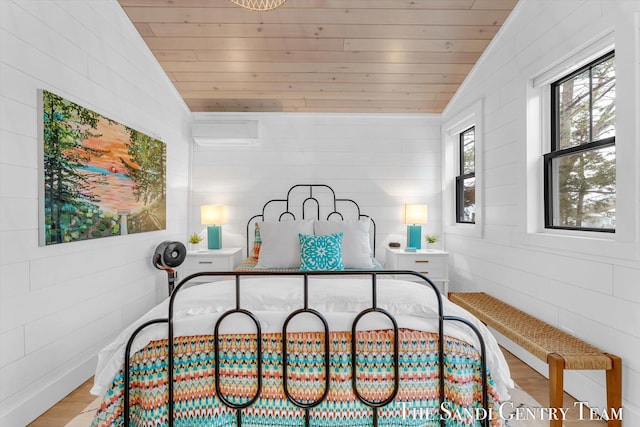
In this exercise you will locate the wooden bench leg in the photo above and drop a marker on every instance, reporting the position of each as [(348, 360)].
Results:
[(614, 391), (556, 386)]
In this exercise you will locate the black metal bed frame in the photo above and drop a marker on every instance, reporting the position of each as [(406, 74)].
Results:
[(374, 405), (310, 198), (309, 193)]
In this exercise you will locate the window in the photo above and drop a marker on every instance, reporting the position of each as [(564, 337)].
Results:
[(463, 203), (466, 180), (580, 169), (540, 202)]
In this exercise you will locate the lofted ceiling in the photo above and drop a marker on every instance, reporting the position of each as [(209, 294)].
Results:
[(352, 56)]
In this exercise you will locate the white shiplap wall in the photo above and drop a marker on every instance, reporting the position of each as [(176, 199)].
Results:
[(380, 161), (593, 293), (60, 304)]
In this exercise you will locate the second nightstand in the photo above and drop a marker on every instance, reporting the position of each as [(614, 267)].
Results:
[(225, 259), (430, 262)]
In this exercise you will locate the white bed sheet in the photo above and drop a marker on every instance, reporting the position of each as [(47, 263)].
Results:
[(273, 298)]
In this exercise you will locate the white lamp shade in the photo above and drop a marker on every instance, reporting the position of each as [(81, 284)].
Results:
[(213, 214), (415, 214)]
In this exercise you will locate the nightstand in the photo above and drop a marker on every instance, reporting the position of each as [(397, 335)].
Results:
[(430, 262), (225, 259)]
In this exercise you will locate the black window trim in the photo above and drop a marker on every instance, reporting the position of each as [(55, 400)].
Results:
[(582, 148), (462, 177)]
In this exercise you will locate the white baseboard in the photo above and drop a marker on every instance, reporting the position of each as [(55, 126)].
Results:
[(38, 401)]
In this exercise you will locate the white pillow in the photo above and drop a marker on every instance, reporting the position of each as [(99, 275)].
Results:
[(280, 246), (356, 240)]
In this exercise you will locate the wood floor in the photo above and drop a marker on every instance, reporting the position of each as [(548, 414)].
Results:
[(530, 380), (538, 387), (65, 410)]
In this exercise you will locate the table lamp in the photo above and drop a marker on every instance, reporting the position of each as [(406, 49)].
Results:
[(414, 216), (213, 216)]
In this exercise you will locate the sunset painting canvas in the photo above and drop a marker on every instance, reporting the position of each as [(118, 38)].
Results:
[(99, 178)]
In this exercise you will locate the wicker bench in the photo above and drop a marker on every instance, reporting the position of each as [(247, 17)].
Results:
[(559, 349)]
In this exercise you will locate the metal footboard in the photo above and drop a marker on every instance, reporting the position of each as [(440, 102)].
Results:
[(374, 308)]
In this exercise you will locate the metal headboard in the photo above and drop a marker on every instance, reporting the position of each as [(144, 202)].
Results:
[(296, 205)]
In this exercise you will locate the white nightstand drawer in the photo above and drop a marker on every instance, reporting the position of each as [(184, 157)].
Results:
[(226, 259), (196, 264), (422, 263), (430, 262)]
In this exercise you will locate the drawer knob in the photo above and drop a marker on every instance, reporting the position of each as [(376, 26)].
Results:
[(205, 262), (422, 260)]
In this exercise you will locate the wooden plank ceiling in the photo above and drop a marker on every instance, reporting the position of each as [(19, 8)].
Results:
[(386, 56)]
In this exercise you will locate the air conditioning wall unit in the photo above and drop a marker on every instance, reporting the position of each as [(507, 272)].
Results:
[(225, 132)]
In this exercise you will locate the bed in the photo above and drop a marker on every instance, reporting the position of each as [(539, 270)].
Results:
[(300, 346)]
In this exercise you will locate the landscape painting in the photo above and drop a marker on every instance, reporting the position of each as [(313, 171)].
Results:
[(99, 178)]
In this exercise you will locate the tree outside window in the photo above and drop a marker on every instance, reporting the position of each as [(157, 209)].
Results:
[(580, 170)]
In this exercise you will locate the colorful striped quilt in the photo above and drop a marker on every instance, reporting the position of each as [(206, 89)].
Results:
[(196, 404)]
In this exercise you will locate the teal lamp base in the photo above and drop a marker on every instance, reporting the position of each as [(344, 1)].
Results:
[(414, 236), (214, 236)]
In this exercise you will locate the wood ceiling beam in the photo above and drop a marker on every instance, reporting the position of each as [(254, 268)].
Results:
[(318, 78), (284, 15), (276, 67)]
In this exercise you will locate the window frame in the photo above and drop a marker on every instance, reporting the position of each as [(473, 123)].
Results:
[(471, 116), (530, 233), (462, 176), (556, 152)]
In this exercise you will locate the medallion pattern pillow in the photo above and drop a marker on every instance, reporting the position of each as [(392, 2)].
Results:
[(322, 253)]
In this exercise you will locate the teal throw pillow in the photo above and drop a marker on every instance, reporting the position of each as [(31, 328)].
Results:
[(321, 252)]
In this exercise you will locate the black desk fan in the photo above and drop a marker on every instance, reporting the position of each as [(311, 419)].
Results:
[(167, 257)]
